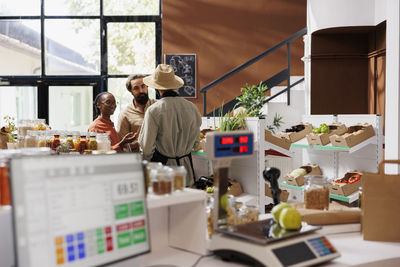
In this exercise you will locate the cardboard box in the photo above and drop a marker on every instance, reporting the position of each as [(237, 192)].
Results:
[(236, 188), (296, 136), (353, 136), (311, 169), (284, 193), (322, 139), (278, 141), (345, 189)]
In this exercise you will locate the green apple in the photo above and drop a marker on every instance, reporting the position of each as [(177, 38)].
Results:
[(290, 219), (316, 131), (325, 129), (224, 201), (276, 211)]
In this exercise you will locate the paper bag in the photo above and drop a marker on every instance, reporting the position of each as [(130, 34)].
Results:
[(380, 205)]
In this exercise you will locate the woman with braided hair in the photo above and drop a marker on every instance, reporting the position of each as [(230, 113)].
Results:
[(105, 105)]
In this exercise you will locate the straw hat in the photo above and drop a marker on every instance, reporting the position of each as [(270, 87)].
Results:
[(163, 78)]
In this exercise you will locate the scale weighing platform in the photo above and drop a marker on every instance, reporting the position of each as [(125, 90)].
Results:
[(260, 243)]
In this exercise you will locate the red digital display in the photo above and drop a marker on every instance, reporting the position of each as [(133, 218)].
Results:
[(243, 149), (243, 139), (226, 140)]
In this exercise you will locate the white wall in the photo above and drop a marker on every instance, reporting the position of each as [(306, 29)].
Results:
[(341, 13)]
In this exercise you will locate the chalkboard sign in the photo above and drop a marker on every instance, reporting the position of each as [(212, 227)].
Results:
[(185, 67)]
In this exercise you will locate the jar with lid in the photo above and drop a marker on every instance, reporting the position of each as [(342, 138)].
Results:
[(151, 169), (82, 146), (24, 126), (41, 138), (70, 141), (92, 143), (56, 142), (103, 141), (179, 177), (49, 138), (5, 199), (210, 216), (163, 183), (316, 192), (30, 139), (247, 213)]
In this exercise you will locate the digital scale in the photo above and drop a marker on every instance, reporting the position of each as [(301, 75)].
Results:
[(257, 243)]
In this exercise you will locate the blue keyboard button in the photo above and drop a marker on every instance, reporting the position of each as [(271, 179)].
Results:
[(80, 236), (70, 238)]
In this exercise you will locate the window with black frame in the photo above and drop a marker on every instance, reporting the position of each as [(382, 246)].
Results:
[(56, 55)]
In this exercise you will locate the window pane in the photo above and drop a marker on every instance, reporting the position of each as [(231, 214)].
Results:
[(116, 86), (72, 7), (70, 107), (72, 46), (20, 47), (131, 48), (129, 7), (19, 102), (20, 7)]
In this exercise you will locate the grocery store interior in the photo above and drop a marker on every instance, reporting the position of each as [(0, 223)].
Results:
[(294, 106)]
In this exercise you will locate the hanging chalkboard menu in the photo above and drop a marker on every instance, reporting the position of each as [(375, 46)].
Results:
[(185, 67)]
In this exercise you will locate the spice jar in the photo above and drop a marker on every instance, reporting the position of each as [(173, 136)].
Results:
[(151, 169), (82, 146), (5, 199), (92, 144), (70, 141), (41, 139), (179, 177), (316, 192), (164, 181), (103, 141), (56, 142), (30, 139)]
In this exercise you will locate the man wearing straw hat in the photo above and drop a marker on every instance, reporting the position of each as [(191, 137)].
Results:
[(171, 126)]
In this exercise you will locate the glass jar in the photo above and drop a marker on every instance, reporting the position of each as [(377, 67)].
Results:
[(210, 216), (92, 144), (82, 146), (24, 126), (316, 192), (70, 141), (103, 141), (41, 138), (5, 199), (56, 142), (30, 139), (163, 182), (179, 177), (151, 169), (247, 213)]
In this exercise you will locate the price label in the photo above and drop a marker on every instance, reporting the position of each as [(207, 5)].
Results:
[(127, 189)]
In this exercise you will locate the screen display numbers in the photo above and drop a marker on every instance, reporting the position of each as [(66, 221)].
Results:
[(126, 189)]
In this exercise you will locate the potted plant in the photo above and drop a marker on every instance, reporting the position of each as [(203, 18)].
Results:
[(9, 130), (252, 99)]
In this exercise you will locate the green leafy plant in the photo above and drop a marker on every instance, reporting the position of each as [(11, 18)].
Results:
[(252, 99), (10, 128), (233, 122), (276, 124)]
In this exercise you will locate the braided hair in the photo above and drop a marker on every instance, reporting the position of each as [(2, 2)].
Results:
[(96, 101)]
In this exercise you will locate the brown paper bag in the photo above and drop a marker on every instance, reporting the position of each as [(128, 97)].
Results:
[(381, 205)]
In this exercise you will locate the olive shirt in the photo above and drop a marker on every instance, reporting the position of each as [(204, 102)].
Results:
[(131, 119), (172, 126)]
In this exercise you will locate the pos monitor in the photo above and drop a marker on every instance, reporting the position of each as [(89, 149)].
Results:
[(78, 210)]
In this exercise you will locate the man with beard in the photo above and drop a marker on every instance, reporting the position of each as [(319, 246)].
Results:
[(131, 118)]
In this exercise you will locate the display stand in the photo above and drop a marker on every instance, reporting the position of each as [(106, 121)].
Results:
[(178, 221), (335, 161)]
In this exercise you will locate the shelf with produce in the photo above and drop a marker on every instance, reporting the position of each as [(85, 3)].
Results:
[(329, 147), (349, 199)]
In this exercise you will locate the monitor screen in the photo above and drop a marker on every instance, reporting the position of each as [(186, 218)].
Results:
[(78, 210)]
